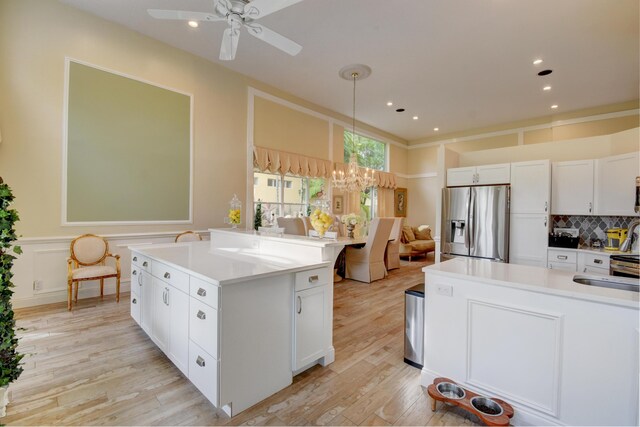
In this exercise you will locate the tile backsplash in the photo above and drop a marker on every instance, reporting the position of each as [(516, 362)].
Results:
[(591, 227)]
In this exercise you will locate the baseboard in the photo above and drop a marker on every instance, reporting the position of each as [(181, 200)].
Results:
[(61, 296), (522, 416)]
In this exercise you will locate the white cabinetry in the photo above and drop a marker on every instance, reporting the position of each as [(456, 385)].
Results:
[(161, 314), (615, 184), (529, 220), (562, 259), (593, 263), (572, 188), (479, 175)]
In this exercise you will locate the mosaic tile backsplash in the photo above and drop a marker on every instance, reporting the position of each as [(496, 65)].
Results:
[(592, 227)]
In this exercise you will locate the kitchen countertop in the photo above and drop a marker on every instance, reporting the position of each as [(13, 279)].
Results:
[(600, 251), (535, 279), (223, 266), (301, 240)]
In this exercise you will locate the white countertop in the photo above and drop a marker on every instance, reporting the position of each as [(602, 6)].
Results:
[(534, 279), (600, 251), (223, 266), (300, 240)]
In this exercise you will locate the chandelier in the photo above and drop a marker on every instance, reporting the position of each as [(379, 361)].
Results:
[(355, 180)]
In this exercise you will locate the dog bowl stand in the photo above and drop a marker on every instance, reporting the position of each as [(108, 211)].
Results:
[(465, 403)]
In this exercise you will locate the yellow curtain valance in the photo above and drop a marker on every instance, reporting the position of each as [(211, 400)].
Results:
[(275, 161), (382, 179)]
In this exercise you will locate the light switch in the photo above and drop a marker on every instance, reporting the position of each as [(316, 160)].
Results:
[(446, 290)]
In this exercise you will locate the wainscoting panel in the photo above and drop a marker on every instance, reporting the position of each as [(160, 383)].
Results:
[(495, 340)]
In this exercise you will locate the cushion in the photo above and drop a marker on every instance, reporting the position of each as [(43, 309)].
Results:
[(423, 233), (94, 271), (420, 246), (407, 234)]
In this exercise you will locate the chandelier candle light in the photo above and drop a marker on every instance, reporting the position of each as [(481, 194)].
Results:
[(354, 181)]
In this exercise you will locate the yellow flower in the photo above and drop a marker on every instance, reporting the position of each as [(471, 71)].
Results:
[(234, 216)]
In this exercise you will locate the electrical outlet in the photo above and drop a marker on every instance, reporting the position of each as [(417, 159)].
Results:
[(446, 290), (37, 285)]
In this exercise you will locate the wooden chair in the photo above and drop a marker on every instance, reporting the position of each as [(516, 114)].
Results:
[(367, 264), (188, 236), (87, 262)]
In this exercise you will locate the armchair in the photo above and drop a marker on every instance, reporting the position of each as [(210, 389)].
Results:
[(87, 262)]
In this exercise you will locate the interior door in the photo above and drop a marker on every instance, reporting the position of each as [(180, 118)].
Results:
[(489, 220)]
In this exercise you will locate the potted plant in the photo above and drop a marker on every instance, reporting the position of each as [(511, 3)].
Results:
[(351, 220), (10, 368)]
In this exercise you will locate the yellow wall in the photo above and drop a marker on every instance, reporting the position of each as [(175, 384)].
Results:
[(422, 160), (35, 37)]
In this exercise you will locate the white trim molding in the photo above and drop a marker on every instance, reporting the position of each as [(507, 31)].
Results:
[(418, 175)]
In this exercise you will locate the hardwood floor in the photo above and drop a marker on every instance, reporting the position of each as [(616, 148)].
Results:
[(95, 366)]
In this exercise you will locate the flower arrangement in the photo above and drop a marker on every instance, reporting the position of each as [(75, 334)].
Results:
[(321, 221), (234, 216), (351, 220), (234, 211)]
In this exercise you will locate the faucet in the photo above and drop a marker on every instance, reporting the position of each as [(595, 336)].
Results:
[(626, 245)]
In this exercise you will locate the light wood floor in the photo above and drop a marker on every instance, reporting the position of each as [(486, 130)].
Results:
[(95, 366)]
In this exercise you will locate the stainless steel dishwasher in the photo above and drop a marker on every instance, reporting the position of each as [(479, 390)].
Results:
[(414, 326)]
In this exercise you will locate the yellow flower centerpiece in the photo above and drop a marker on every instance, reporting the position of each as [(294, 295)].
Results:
[(321, 221), (235, 210)]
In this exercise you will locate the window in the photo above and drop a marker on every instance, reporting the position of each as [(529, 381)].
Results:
[(285, 195), (371, 154), (255, 180)]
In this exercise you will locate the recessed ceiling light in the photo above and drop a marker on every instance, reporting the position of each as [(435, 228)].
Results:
[(193, 24), (399, 110), (537, 61), (554, 106), (546, 88), (389, 104), (545, 72), (436, 129), (415, 117)]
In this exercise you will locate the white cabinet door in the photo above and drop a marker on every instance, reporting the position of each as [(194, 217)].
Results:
[(615, 184), (309, 324), (135, 307), (531, 187), (493, 174), (461, 176), (161, 314), (178, 348), (572, 188), (146, 294), (562, 266), (528, 239)]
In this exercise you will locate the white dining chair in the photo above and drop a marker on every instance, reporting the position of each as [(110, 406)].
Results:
[(392, 255), (292, 226), (366, 264)]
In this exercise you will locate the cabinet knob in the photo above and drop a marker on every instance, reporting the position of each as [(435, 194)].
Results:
[(313, 279), (597, 261), (299, 305), (200, 361), (144, 264), (135, 258), (546, 206), (545, 221), (134, 301), (590, 207), (201, 315), (134, 272), (167, 275), (202, 292)]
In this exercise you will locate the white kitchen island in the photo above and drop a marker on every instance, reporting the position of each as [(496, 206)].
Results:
[(239, 315), (560, 352)]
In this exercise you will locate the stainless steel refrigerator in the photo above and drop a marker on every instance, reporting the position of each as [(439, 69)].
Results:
[(475, 222)]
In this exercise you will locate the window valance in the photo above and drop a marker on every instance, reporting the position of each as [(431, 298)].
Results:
[(382, 179), (275, 161)]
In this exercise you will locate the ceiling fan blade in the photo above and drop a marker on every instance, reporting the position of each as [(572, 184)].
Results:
[(229, 44), (274, 39), (259, 8), (183, 15)]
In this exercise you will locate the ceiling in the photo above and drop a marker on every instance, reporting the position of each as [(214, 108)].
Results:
[(456, 64)]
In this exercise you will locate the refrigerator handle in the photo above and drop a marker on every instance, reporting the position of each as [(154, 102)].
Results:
[(472, 218)]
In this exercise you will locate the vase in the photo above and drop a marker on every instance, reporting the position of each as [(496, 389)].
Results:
[(350, 228)]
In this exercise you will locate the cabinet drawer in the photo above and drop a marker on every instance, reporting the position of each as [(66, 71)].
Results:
[(141, 261), (203, 372), (562, 266), (595, 270), (310, 278), (204, 291), (203, 326), (556, 255), (135, 307), (175, 278), (597, 261)]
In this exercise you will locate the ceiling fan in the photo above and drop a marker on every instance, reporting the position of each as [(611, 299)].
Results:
[(238, 14)]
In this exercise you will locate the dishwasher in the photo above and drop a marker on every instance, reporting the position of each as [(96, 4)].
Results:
[(414, 326)]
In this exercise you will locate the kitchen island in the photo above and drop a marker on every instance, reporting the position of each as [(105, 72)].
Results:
[(239, 315), (558, 351)]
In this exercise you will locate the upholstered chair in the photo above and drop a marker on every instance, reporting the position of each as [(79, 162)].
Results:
[(292, 225), (188, 236), (392, 256), (366, 264), (87, 262)]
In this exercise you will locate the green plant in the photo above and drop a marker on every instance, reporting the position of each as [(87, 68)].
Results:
[(10, 368), (257, 220)]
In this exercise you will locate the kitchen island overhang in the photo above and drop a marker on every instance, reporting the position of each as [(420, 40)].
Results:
[(239, 315), (533, 337)]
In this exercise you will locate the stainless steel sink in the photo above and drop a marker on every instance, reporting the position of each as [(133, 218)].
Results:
[(623, 283)]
